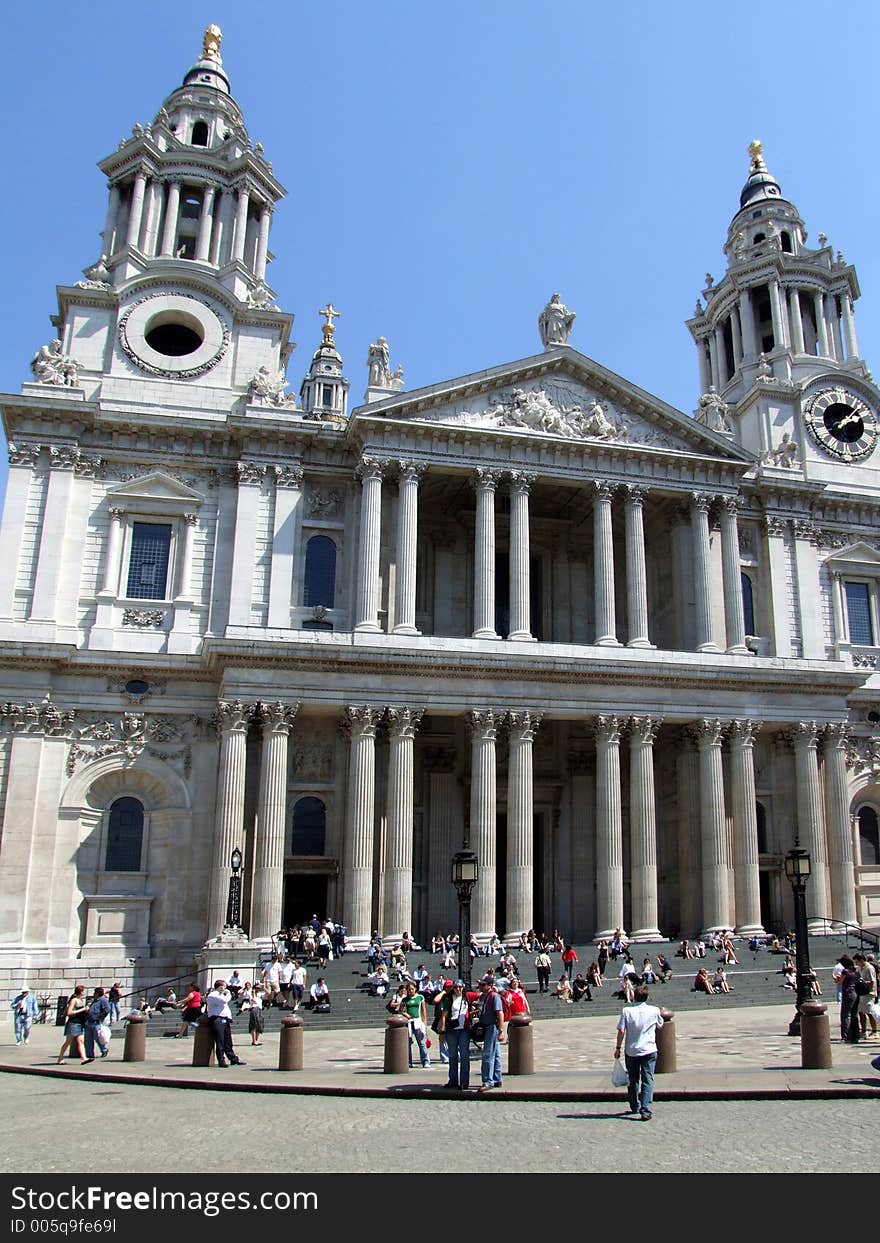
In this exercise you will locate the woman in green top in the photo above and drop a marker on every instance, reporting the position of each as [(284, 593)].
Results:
[(414, 1005)]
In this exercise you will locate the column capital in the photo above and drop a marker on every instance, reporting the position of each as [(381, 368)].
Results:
[(644, 729), (701, 501), (403, 722), (806, 530), (410, 472), (742, 733), (485, 479), (233, 716), (288, 476), (189, 519), (23, 454), (249, 473), (602, 489), (371, 468), (606, 729), (729, 504), (276, 718), (634, 493), (116, 515), (709, 732), (64, 457), (520, 480), (483, 724), (805, 734), (524, 724), (774, 525), (835, 736), (360, 721)]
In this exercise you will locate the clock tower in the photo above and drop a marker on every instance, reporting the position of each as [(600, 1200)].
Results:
[(780, 369)]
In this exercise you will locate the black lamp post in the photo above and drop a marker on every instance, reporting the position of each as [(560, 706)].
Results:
[(465, 870), (797, 869), (233, 903)]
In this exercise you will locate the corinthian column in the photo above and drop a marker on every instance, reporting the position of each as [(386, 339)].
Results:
[(520, 595), (636, 573), (520, 823), (483, 816), (643, 829), (810, 829), (840, 850), (747, 915), (367, 607), (732, 575), (609, 829), (232, 719), (714, 850), (397, 916), (603, 566), (407, 543), (360, 724), (700, 503), (485, 482), (268, 880)]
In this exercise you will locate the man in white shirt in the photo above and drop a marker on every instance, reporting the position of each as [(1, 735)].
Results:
[(638, 1024), (298, 978), (272, 981), (286, 975), (319, 994), (218, 1011)]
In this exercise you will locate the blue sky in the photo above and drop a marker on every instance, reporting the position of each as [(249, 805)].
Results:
[(449, 166)]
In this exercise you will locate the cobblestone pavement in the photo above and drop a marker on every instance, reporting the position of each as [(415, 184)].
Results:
[(134, 1128)]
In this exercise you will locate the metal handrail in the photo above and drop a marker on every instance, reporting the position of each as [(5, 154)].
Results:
[(850, 931)]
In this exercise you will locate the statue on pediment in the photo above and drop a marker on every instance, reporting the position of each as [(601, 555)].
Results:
[(379, 363), (712, 412), (51, 366), (555, 323)]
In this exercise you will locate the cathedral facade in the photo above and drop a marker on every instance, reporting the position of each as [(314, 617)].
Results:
[(627, 655)]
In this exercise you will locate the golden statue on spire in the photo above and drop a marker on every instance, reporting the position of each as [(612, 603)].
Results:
[(756, 149), (329, 313), (211, 44)]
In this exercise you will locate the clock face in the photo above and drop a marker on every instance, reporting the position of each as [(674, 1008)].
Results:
[(842, 424)]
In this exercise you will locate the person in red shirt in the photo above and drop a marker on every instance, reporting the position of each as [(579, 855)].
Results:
[(569, 958)]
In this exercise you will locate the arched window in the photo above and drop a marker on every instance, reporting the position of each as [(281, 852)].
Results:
[(309, 825), (761, 819), (748, 603), (785, 238), (320, 576), (200, 134), (869, 840), (125, 836)]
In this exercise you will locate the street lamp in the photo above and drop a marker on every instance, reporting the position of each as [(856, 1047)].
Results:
[(465, 871), (233, 903), (797, 869)]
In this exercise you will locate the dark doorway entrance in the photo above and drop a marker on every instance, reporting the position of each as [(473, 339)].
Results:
[(502, 597), (766, 904), (304, 896)]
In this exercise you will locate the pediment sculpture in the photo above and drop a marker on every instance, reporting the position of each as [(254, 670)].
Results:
[(535, 411)]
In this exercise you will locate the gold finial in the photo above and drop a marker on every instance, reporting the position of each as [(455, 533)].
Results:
[(330, 313), (211, 44), (756, 149)]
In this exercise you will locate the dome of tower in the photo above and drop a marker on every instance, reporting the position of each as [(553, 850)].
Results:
[(208, 69), (761, 183)]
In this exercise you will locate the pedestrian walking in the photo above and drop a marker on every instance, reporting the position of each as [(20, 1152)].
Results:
[(414, 1007), (24, 1010), (542, 966), (866, 991), (455, 1019), (638, 1026), (569, 959), (849, 1001), (98, 1014), (492, 1020), (114, 996), (218, 1011), (74, 1028)]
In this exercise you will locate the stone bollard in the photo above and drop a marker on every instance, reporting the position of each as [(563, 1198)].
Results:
[(135, 1047), (203, 1044), (290, 1047), (815, 1037), (667, 1062), (521, 1045), (396, 1045)]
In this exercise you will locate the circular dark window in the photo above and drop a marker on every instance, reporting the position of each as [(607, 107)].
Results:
[(173, 339), (874, 717), (137, 687)]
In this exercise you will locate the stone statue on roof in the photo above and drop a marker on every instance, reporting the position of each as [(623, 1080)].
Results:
[(555, 322)]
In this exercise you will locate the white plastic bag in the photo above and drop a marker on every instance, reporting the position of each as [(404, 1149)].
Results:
[(619, 1077), (874, 1010)]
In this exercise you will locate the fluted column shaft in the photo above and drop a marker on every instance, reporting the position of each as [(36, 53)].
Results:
[(359, 824), (407, 545), (746, 874), (520, 594), (700, 503), (108, 246), (397, 914), (229, 814), (643, 829), (114, 548), (713, 836), (206, 220), (263, 243), (688, 797), (849, 327), (241, 217), (809, 818), (603, 566), (797, 323), (172, 207), (268, 882), (821, 323), (136, 212), (747, 323), (520, 824), (734, 620), (483, 821), (485, 482), (837, 820), (609, 829), (367, 610), (636, 571)]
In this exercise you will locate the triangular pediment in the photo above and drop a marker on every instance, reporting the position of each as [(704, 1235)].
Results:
[(560, 394), (858, 557), (155, 488)]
